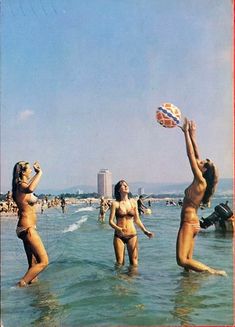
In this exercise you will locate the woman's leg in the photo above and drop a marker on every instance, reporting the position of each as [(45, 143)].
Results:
[(119, 248), (184, 251), (30, 257), (191, 249), (34, 248), (132, 247)]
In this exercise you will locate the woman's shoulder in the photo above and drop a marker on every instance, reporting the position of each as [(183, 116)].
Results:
[(133, 201), (115, 204)]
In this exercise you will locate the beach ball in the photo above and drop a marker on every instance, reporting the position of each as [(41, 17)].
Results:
[(168, 115)]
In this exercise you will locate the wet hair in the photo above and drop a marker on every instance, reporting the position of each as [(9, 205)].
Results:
[(117, 190), (211, 177), (18, 170)]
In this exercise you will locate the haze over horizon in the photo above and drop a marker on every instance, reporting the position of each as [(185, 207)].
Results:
[(81, 82)]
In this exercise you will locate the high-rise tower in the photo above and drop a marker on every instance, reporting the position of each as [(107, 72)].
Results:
[(104, 183)]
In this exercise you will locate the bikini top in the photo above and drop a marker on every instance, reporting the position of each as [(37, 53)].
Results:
[(125, 214), (32, 200)]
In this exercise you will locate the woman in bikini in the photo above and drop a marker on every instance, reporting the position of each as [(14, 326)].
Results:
[(126, 212), (199, 192), (22, 190)]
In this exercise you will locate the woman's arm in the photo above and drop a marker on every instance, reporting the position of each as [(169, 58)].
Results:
[(192, 132), (190, 151), (111, 218), (31, 186), (139, 223)]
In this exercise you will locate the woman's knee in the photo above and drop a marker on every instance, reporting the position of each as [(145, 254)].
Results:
[(181, 261), (133, 259), (134, 262), (44, 262)]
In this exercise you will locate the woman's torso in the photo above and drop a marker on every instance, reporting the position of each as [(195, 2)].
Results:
[(26, 208), (125, 216), (191, 202)]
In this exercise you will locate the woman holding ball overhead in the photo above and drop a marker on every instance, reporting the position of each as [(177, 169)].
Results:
[(23, 186), (198, 192)]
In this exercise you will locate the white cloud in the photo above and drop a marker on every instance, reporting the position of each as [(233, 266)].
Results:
[(26, 114)]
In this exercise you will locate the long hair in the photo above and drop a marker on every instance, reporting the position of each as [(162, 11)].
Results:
[(211, 177), (18, 170), (117, 190)]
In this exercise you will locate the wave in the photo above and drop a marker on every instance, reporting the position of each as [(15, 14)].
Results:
[(85, 209), (76, 225)]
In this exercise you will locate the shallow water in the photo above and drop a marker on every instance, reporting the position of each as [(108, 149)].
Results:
[(82, 287)]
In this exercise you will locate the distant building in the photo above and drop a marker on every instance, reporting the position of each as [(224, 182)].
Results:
[(140, 190), (104, 183)]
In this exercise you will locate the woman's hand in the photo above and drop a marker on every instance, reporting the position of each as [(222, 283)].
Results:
[(192, 128), (149, 234), (185, 126), (123, 231), (36, 167)]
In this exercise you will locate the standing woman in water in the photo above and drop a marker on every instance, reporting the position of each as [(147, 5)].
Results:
[(23, 187), (197, 193), (126, 212)]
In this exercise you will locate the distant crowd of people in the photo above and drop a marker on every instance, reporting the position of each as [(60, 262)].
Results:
[(9, 206)]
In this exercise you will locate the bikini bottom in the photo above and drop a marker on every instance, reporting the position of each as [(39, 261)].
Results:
[(125, 239), (22, 232)]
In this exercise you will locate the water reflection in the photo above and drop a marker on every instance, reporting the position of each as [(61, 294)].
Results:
[(126, 272), (46, 304), (187, 299)]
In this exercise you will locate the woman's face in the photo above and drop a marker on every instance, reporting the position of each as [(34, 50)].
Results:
[(27, 172), (202, 164), (124, 188)]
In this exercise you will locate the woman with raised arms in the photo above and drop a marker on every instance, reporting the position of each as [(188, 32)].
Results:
[(198, 192), (23, 187)]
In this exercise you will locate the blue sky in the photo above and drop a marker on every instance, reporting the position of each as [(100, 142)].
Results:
[(81, 81)]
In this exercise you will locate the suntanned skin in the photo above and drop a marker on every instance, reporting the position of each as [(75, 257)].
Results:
[(34, 248), (191, 203), (125, 226)]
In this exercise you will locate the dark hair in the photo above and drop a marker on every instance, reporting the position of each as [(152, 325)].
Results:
[(18, 170), (117, 190), (211, 177)]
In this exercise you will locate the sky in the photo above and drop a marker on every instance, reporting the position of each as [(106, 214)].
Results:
[(81, 82)]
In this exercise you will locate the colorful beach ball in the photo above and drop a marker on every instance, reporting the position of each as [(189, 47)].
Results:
[(168, 115)]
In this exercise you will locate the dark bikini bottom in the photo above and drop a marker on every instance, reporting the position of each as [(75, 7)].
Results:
[(125, 239), (22, 232)]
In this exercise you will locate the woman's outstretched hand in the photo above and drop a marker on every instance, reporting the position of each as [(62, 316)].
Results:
[(185, 126), (192, 128)]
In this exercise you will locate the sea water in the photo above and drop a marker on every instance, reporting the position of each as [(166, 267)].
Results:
[(82, 287)]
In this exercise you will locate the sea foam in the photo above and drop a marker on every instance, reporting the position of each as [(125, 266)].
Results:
[(85, 209), (76, 225)]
